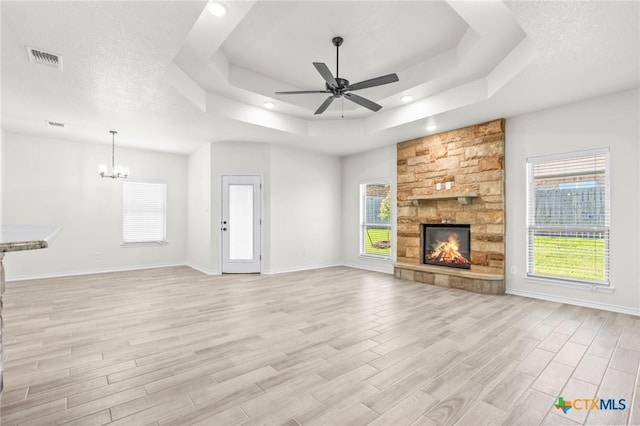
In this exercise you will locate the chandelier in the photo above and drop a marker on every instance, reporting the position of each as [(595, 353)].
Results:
[(116, 170)]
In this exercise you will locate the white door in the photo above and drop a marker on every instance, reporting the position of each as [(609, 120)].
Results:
[(241, 222)]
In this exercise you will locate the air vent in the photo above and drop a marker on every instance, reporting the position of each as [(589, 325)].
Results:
[(55, 124), (41, 57)]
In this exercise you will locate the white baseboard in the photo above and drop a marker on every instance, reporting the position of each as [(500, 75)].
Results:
[(298, 269), (203, 270), (570, 301), (384, 268), (89, 271), (191, 265)]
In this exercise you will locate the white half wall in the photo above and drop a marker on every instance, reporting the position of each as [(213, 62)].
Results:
[(305, 210), (609, 121), (55, 182), (378, 164)]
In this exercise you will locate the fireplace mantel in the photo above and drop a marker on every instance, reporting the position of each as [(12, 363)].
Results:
[(463, 198)]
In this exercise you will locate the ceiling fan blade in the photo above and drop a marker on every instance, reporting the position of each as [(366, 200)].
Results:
[(298, 92), (378, 81), (324, 105), (362, 101), (326, 74)]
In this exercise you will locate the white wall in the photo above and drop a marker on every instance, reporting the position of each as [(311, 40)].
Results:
[(239, 158), (379, 164), (199, 210), (55, 182), (609, 121), (301, 189), (305, 204)]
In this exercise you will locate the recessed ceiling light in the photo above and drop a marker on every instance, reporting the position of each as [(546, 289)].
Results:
[(406, 98), (269, 105), (431, 127), (217, 9)]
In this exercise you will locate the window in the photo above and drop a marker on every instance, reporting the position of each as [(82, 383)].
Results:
[(375, 219), (568, 217), (144, 212)]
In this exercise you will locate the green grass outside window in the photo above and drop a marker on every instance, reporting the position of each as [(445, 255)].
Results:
[(575, 258)]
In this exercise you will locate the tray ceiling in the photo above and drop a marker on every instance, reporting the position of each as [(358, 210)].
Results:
[(169, 76)]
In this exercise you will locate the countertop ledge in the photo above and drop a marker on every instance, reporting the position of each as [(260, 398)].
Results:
[(23, 245), (20, 238)]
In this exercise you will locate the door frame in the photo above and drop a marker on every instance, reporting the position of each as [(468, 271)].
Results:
[(261, 230)]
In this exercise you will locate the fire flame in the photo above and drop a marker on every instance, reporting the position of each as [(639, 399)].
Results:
[(447, 252)]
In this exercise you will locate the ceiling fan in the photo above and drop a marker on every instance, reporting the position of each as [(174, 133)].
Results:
[(339, 87)]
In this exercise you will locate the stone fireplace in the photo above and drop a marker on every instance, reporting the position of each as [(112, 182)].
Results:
[(451, 198)]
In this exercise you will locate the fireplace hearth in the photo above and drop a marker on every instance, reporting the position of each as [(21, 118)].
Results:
[(447, 245)]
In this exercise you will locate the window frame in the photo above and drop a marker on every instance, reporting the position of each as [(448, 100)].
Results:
[(363, 222), (604, 229), (126, 241)]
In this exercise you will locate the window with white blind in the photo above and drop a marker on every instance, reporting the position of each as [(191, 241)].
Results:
[(375, 219), (144, 215), (568, 217)]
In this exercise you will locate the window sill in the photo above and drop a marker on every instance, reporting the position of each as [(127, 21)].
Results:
[(376, 258), (596, 288), (145, 244)]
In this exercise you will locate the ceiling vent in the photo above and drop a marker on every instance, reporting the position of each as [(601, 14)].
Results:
[(55, 124), (41, 57)]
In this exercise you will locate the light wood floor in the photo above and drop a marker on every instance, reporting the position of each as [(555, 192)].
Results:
[(334, 346)]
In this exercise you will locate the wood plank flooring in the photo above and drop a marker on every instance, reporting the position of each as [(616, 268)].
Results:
[(335, 346)]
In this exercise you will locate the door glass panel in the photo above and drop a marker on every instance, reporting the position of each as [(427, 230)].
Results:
[(240, 222)]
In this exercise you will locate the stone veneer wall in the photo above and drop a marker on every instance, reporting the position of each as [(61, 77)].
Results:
[(472, 159)]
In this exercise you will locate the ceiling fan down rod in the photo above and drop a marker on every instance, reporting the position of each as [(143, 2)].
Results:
[(337, 42)]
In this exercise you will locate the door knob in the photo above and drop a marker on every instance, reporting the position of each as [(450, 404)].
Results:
[(224, 229)]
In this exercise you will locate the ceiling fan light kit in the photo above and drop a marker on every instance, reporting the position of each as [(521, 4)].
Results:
[(340, 87)]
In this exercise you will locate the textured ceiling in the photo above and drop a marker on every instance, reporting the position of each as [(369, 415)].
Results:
[(169, 76), (370, 29)]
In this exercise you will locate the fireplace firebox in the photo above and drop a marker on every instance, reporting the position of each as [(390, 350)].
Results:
[(447, 245)]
